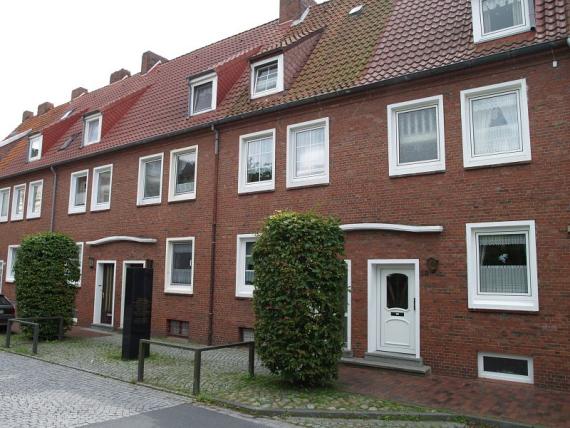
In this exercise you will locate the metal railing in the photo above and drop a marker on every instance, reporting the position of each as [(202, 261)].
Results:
[(144, 347), (32, 322)]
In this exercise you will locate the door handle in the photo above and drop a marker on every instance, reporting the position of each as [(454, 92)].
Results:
[(414, 303)]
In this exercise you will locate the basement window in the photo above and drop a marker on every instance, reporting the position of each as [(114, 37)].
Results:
[(203, 92), (267, 77), (178, 328), (506, 367), (92, 129), (247, 334), (35, 149), (493, 19)]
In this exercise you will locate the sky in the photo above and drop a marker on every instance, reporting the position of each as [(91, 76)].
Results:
[(49, 47)]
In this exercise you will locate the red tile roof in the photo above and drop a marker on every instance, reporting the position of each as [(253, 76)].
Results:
[(329, 51)]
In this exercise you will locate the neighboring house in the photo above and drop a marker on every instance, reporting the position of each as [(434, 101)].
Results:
[(437, 131)]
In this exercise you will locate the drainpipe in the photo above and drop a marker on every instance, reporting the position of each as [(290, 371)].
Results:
[(213, 239), (54, 188)]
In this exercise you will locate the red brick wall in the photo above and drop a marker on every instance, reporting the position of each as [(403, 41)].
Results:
[(360, 190)]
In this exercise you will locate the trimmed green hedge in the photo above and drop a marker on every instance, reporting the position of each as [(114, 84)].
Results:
[(46, 268), (299, 296)]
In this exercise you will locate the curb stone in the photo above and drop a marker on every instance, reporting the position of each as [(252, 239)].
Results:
[(305, 413)]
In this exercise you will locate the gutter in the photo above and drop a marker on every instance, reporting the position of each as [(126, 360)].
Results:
[(528, 50), (53, 190), (213, 238)]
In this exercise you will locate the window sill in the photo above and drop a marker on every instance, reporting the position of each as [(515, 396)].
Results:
[(16, 219), (244, 296), (497, 161), (501, 34), (265, 93), (503, 306), (247, 190), (198, 113), (178, 291), (409, 172), (313, 182), (76, 212), (183, 198), (35, 217), (148, 203), (10, 280), (100, 209)]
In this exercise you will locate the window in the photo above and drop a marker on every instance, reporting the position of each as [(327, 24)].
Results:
[(92, 129), (150, 180), (247, 334), (179, 271), (178, 328), (80, 256), (78, 192), (245, 272), (501, 266), (506, 367), (183, 167), (257, 162), (347, 304), (495, 124), (101, 189), (18, 199), (35, 199), (308, 153), (493, 19), (1, 275), (35, 150), (267, 77), (4, 204), (203, 93), (11, 260), (416, 140)]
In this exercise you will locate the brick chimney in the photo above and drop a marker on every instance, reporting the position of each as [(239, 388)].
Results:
[(119, 75), (44, 108), (77, 92), (27, 115), (149, 59), (290, 10)]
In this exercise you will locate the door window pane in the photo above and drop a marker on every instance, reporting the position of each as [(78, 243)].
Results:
[(104, 187), (185, 172), (249, 269), (503, 264), (266, 77), (202, 97), (152, 178), (496, 124), (310, 152), (417, 135), (501, 14), (80, 190), (397, 291), (260, 160), (181, 263)]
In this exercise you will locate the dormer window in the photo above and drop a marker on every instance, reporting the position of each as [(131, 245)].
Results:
[(493, 19), (203, 94), (267, 77), (92, 129), (35, 150)]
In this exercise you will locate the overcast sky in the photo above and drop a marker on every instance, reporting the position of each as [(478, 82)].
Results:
[(49, 47)]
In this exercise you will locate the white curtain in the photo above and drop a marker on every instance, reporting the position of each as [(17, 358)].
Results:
[(310, 152), (502, 278), (496, 124), (417, 135), (493, 20)]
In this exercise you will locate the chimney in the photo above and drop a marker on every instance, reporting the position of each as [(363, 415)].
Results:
[(119, 75), (149, 59), (77, 92), (27, 115), (44, 108), (290, 10)]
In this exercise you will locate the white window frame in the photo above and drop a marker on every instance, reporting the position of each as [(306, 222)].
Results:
[(72, 208), (87, 120), (172, 196), (33, 139), (198, 81), (314, 180), (14, 216), (81, 247), (4, 219), (243, 185), (280, 76), (467, 96), (2, 264), (141, 201), (419, 167), (479, 35), (10, 263), (243, 290), (95, 188), (499, 301), (29, 213), (173, 288), (505, 376), (349, 308)]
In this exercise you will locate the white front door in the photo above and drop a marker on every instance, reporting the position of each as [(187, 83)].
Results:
[(397, 310), (104, 293)]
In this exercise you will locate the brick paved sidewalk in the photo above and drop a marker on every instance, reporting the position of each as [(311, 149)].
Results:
[(508, 401)]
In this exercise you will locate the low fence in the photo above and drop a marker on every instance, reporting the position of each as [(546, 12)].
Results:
[(144, 348), (32, 322)]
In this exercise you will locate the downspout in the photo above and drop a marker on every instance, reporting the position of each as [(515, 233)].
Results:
[(213, 239), (53, 190)]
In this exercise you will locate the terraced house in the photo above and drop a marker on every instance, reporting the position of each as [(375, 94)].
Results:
[(437, 131)]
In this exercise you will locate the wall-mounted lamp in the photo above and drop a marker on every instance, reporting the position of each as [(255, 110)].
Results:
[(91, 262), (432, 265)]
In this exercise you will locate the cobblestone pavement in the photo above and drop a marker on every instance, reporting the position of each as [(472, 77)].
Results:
[(38, 394)]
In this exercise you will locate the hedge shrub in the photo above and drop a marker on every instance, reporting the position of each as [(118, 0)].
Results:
[(299, 296), (46, 268)]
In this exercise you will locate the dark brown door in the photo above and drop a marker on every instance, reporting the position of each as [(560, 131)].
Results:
[(107, 291)]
